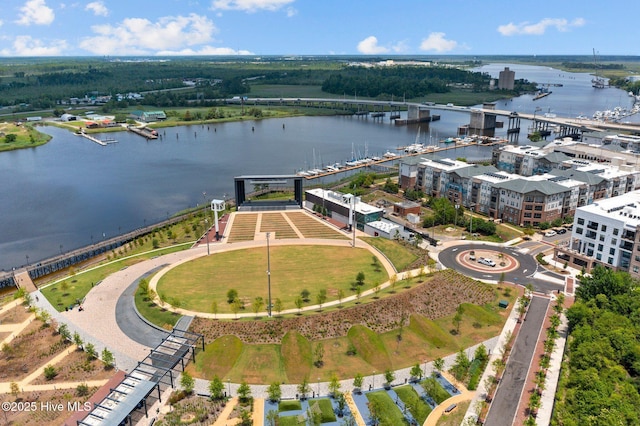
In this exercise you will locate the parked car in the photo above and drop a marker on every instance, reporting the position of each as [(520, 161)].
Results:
[(550, 233), (561, 231), (487, 262), (472, 256)]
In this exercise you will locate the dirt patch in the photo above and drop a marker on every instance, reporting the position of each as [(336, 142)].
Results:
[(76, 367), (49, 407), (35, 346), (15, 315), (193, 410)]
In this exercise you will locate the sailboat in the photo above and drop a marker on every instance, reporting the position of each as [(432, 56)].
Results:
[(597, 81)]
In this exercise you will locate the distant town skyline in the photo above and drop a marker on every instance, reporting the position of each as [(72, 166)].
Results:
[(312, 27)]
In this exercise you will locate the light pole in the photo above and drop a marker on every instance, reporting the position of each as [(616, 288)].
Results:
[(373, 379), (229, 387), (425, 368), (268, 274), (318, 387), (457, 207), (206, 221)]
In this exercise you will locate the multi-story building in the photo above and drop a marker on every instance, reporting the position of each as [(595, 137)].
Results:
[(606, 233), (527, 160), (338, 207), (506, 79)]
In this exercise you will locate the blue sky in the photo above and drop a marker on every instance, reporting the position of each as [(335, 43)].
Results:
[(317, 27)]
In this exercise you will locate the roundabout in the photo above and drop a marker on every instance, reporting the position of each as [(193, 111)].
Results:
[(511, 264)]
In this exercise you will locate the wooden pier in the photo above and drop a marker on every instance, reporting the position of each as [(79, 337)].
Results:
[(103, 142), (145, 132)]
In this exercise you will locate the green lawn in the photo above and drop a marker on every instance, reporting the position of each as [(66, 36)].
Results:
[(290, 421), (154, 313), (456, 417), (390, 415), (26, 136), (76, 286), (297, 356), (398, 255), (370, 347), (198, 283), (289, 405), (418, 408), (219, 357), (435, 390)]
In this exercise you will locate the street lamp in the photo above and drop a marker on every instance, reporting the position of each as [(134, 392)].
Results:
[(373, 379), (457, 207), (206, 221), (229, 387), (268, 275)]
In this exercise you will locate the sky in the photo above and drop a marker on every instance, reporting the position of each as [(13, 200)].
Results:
[(317, 27)]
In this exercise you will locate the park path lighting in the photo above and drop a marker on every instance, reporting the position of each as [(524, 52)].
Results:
[(268, 275), (229, 387), (373, 379), (456, 221)]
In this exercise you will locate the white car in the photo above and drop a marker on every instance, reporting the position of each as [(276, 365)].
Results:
[(550, 233), (487, 262)]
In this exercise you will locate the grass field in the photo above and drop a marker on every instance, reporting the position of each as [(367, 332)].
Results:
[(154, 313), (370, 347), (399, 256), (75, 287), (297, 356), (435, 390), (293, 405), (456, 417), (218, 357), (389, 413), (25, 137), (198, 283), (418, 408)]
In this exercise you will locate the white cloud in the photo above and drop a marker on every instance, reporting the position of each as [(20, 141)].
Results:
[(369, 46), (437, 42), (291, 12), (139, 36), (28, 46), (205, 50), (36, 12), (98, 8), (249, 5), (400, 47), (539, 28)]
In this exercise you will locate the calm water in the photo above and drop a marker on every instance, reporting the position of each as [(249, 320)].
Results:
[(71, 191)]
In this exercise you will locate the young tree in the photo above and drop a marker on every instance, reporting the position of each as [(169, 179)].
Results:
[(272, 418), (232, 295), (216, 388), (416, 372), (358, 294), (77, 340), (303, 388), (299, 303), (334, 385), (236, 306), (187, 382), (360, 279), (257, 305), (389, 377), (393, 280), (358, 381), (214, 309), (107, 358), (438, 364), (321, 297), (244, 392), (63, 329), (461, 366), (277, 306), (318, 355), (375, 412), (340, 296), (305, 295), (274, 392), (90, 349), (15, 389), (376, 291), (342, 403), (481, 353)]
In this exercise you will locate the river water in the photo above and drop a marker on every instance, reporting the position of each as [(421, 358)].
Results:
[(72, 192)]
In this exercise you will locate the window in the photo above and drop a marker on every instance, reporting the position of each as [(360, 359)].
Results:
[(601, 237), (579, 231), (580, 221), (599, 256), (635, 269), (600, 247), (615, 231), (610, 261), (614, 241), (612, 251), (603, 228), (537, 215)]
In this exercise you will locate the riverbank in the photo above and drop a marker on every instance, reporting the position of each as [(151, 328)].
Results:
[(20, 136)]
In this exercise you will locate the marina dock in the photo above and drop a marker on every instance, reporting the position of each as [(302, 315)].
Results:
[(103, 142), (383, 161), (145, 132)]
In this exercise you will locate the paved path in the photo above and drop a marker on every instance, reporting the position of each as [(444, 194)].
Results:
[(505, 404)]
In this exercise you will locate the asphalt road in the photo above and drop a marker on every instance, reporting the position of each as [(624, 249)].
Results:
[(522, 275), (131, 324), (505, 403)]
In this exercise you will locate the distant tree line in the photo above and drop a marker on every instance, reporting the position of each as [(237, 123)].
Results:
[(589, 65)]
